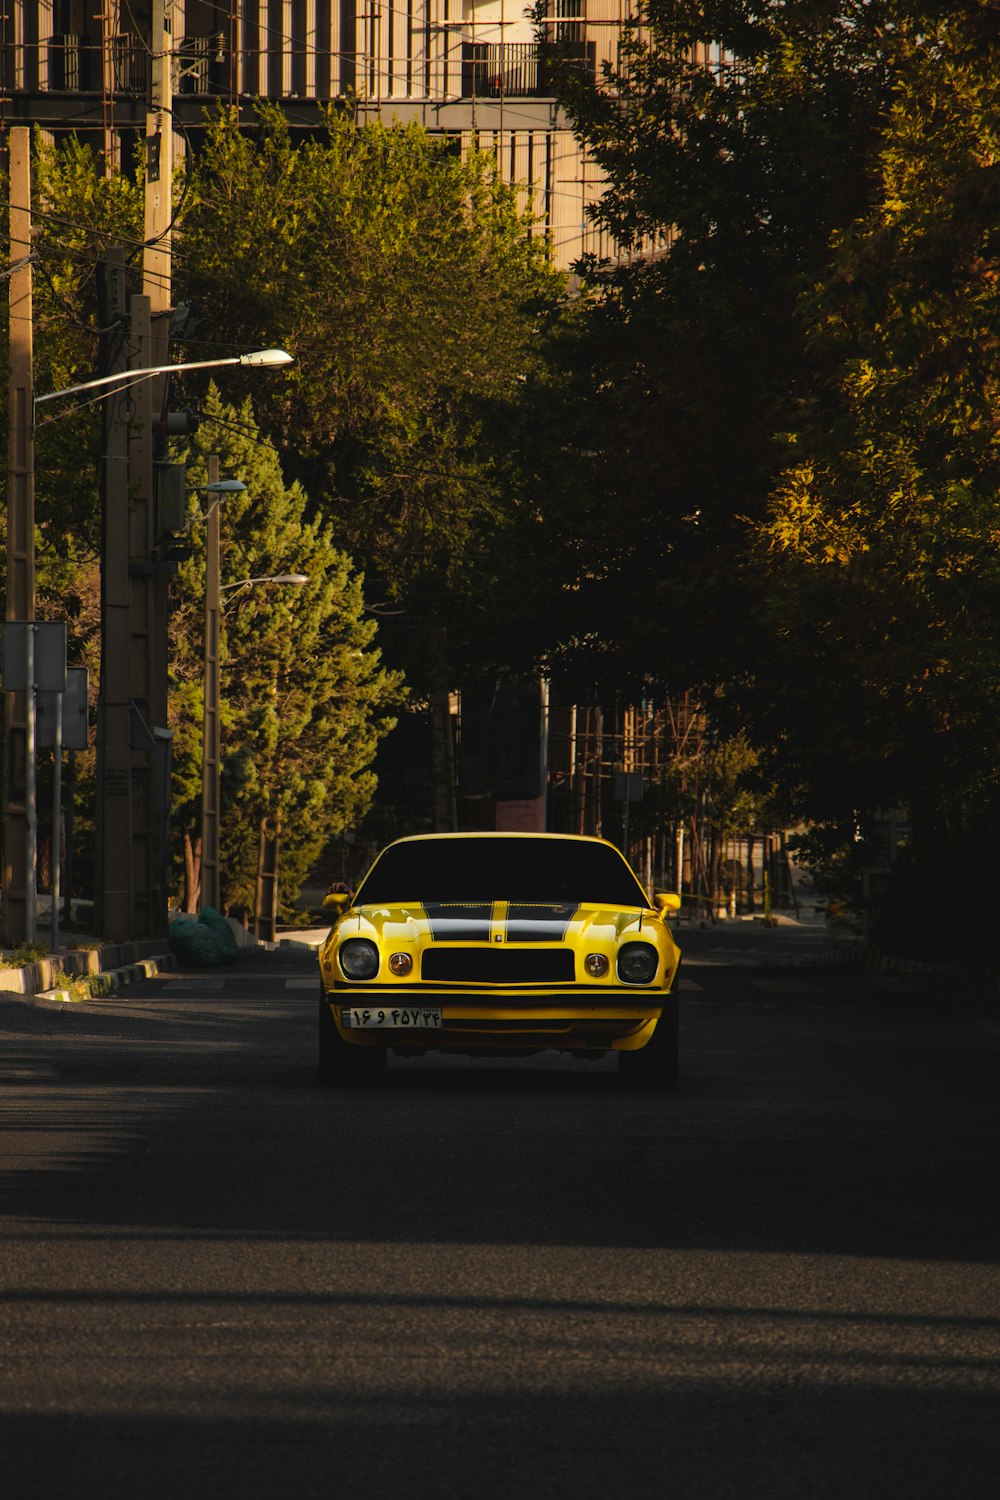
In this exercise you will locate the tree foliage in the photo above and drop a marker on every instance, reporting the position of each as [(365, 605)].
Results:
[(405, 283), (658, 421), (77, 216), (404, 280), (771, 462), (884, 533)]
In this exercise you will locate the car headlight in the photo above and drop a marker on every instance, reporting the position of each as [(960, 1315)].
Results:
[(637, 963), (359, 959)]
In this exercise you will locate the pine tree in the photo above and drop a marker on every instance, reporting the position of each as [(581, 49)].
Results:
[(305, 698)]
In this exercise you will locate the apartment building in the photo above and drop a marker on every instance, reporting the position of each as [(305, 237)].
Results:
[(466, 69)]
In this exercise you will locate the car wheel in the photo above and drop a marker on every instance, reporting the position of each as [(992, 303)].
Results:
[(339, 1063), (657, 1065)]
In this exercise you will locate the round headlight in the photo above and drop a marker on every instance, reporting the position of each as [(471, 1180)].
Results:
[(637, 963), (400, 964), (596, 965), (359, 959)]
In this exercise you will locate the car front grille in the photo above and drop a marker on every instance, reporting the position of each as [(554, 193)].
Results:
[(498, 966)]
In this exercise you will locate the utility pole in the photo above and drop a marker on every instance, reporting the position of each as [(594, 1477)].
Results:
[(20, 532), (145, 642), (144, 741), (115, 884), (133, 741)]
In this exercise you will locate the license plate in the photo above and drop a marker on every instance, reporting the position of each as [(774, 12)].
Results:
[(401, 1017)]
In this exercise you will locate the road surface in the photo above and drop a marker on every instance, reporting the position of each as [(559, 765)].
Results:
[(502, 1279)]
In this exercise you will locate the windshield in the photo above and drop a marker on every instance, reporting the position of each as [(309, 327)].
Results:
[(519, 869)]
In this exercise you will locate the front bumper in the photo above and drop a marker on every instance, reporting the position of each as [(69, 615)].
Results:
[(617, 1018)]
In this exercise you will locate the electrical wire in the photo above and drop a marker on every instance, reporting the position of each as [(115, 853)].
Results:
[(513, 118), (19, 265)]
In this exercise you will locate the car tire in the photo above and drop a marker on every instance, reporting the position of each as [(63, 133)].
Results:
[(339, 1064), (657, 1065)]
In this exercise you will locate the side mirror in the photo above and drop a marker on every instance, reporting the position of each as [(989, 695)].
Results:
[(666, 901), (337, 900)]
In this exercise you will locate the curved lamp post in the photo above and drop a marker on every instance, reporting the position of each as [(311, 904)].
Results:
[(295, 579), (257, 359), (130, 879), (118, 840), (139, 850)]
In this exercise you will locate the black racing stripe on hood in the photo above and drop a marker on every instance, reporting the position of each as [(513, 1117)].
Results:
[(540, 924), (458, 921)]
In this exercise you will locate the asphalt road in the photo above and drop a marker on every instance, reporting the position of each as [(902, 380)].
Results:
[(502, 1279)]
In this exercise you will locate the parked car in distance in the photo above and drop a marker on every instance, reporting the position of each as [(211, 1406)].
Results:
[(504, 943)]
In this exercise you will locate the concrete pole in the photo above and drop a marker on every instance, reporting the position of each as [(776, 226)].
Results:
[(146, 647), (114, 883), (20, 531), (150, 584)]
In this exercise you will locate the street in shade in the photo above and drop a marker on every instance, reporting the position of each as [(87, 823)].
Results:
[(500, 1276)]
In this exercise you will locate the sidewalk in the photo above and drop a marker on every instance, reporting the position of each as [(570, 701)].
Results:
[(790, 943), (76, 974)]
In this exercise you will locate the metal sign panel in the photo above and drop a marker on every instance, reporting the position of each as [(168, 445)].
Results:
[(627, 786), (75, 713), (49, 652)]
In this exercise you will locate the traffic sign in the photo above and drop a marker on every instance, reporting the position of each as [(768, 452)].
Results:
[(49, 654)]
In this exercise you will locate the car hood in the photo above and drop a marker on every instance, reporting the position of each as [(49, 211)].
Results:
[(505, 922)]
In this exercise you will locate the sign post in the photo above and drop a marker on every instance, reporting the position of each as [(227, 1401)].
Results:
[(34, 659), (62, 725), (627, 787)]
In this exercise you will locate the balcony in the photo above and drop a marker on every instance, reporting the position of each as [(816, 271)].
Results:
[(67, 62), (75, 64), (129, 64), (501, 70), (512, 70)]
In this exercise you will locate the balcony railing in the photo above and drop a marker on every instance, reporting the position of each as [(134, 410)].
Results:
[(500, 70), (75, 63), (507, 70), (129, 64), (67, 62)]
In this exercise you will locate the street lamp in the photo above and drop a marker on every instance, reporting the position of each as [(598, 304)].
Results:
[(256, 359), (211, 760), (211, 732), (134, 650), (296, 579), (130, 828), (266, 896)]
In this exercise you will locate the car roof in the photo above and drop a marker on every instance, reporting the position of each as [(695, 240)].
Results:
[(499, 833)]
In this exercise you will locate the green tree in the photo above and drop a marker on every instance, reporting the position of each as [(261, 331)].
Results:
[(305, 698), (78, 215), (657, 434), (406, 283), (883, 541), (773, 461), (404, 280)]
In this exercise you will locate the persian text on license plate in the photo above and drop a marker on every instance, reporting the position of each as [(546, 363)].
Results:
[(418, 1018)]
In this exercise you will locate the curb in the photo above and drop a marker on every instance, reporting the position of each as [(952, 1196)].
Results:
[(106, 982)]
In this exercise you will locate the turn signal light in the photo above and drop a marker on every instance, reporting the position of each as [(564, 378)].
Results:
[(400, 964), (596, 965)]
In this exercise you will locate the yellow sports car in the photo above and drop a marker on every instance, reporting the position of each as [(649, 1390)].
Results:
[(502, 943)]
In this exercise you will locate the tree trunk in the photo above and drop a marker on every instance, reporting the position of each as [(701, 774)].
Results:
[(192, 872)]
